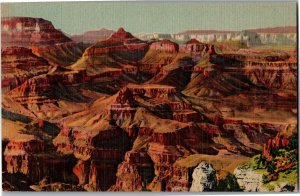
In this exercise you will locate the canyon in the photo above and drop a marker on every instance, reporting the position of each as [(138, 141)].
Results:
[(130, 114)]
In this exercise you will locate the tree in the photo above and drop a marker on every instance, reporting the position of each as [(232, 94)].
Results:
[(271, 167), (293, 142), (229, 184)]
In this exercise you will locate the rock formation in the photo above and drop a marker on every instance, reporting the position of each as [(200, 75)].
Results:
[(249, 180), (120, 41), (165, 46), (19, 64), (204, 178), (90, 37), (194, 47), (41, 36)]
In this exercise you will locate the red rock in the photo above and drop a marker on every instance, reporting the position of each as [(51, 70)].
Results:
[(19, 64), (118, 41), (102, 175), (128, 178), (272, 144), (165, 46), (179, 180), (26, 31), (194, 47), (62, 141), (121, 34), (81, 170), (92, 36), (153, 91)]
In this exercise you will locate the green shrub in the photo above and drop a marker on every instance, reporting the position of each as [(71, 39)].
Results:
[(229, 184)]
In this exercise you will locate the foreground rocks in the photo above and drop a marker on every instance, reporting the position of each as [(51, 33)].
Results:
[(204, 178), (249, 180)]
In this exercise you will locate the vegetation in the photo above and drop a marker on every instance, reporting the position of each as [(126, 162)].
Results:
[(229, 184), (281, 167)]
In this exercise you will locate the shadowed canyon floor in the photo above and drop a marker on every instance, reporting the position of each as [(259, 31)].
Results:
[(125, 114)]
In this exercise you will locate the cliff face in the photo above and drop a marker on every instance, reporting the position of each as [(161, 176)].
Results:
[(31, 158), (204, 178), (98, 152), (119, 42), (165, 46), (194, 47), (258, 71), (251, 37), (19, 64), (41, 36), (25, 31), (249, 180), (90, 37), (128, 178), (275, 75), (18, 156)]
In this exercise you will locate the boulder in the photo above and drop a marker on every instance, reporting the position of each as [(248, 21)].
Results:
[(248, 180), (204, 178)]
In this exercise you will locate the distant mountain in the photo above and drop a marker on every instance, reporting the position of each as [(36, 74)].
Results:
[(27, 31), (90, 37), (286, 35), (41, 37), (205, 32), (284, 29)]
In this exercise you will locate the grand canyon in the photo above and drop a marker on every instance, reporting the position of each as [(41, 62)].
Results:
[(110, 110)]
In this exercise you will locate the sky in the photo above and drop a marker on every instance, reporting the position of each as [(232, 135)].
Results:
[(160, 17)]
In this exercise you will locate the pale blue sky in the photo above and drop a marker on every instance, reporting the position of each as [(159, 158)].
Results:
[(168, 17)]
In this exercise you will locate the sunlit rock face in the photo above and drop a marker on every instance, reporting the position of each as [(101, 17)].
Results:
[(248, 179), (165, 46), (204, 178), (121, 42), (42, 37), (26, 31)]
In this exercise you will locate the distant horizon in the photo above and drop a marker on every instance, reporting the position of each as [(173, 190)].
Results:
[(157, 17), (106, 28), (100, 28)]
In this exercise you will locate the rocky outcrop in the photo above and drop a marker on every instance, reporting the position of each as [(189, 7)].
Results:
[(277, 35), (124, 106), (26, 31), (41, 36), (63, 141), (46, 185), (248, 179), (194, 47), (152, 90), (82, 170), (19, 64), (99, 150), (128, 178), (165, 46), (41, 84), (18, 155), (90, 37), (204, 178), (274, 75), (96, 175), (273, 144), (135, 172), (28, 157), (120, 41)]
